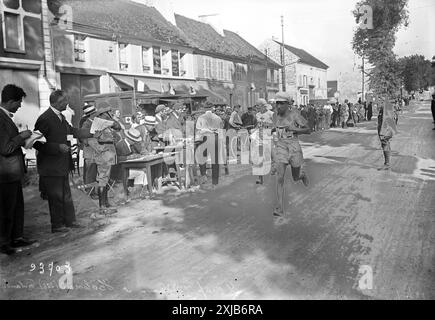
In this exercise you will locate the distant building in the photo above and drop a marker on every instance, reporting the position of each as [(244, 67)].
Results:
[(332, 88), (25, 55), (228, 65), (305, 75), (112, 43)]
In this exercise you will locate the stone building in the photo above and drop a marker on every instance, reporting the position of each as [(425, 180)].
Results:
[(305, 75), (228, 65), (111, 44)]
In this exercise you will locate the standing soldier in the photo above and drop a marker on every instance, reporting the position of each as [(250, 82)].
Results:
[(386, 127), (344, 114), (105, 156)]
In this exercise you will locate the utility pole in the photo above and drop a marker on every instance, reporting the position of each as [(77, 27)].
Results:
[(362, 75), (265, 78), (283, 55)]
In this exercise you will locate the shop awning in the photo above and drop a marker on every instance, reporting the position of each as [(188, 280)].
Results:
[(83, 71), (213, 97), (127, 83)]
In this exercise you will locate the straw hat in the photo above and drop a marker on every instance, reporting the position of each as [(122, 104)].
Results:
[(133, 134), (261, 102), (160, 108), (88, 109), (150, 120)]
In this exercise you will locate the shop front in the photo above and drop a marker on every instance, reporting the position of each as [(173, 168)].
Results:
[(78, 83)]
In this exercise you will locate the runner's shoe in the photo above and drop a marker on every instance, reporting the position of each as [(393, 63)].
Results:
[(277, 212), (384, 167)]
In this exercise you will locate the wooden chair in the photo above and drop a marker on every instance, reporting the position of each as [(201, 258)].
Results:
[(75, 153), (30, 158)]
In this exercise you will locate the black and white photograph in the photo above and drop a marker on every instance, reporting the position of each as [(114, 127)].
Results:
[(241, 151)]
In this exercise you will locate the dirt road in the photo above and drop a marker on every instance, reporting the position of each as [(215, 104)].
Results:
[(225, 244)]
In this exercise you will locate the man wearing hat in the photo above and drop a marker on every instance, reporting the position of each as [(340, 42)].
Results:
[(150, 138), (130, 148), (88, 110), (89, 167), (150, 141), (265, 115), (288, 126), (105, 154)]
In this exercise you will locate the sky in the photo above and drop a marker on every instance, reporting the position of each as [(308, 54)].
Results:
[(324, 28)]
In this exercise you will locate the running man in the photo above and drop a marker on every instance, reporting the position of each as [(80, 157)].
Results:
[(289, 124)]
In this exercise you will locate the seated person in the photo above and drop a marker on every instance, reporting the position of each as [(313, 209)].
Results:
[(150, 142), (130, 148), (151, 138)]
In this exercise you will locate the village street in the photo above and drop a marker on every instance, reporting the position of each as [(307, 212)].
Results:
[(225, 244)]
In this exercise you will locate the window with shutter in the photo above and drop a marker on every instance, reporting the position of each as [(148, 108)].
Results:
[(166, 62), (221, 70), (157, 60), (123, 60), (146, 63), (79, 48), (183, 63)]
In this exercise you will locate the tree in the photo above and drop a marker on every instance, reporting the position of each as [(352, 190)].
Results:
[(376, 45), (416, 72)]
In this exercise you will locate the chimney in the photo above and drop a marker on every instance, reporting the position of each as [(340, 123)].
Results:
[(214, 21)]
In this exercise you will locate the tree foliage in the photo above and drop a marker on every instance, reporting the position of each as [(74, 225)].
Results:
[(416, 72), (376, 45)]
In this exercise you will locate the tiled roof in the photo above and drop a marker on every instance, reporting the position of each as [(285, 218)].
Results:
[(305, 57), (122, 18), (205, 38)]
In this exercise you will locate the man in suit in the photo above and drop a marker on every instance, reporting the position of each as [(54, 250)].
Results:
[(11, 172), (54, 161)]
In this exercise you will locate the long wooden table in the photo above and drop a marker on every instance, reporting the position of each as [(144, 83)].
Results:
[(145, 163)]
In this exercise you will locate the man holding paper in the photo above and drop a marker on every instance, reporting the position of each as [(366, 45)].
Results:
[(103, 128), (54, 161), (11, 172)]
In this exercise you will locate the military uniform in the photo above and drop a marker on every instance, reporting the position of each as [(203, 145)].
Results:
[(105, 154), (344, 114), (385, 140), (103, 145)]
